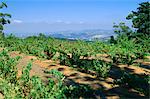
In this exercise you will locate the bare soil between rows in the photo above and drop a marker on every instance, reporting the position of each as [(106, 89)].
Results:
[(102, 88)]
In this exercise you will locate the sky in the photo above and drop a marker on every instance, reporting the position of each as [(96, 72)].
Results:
[(61, 15)]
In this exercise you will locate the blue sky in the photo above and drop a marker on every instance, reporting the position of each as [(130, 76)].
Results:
[(61, 15)]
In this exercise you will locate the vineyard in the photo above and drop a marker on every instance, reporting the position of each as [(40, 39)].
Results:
[(98, 58), (44, 67)]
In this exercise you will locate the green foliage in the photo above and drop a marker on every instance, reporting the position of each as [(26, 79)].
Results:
[(141, 19), (78, 91), (102, 68), (122, 30), (25, 86), (76, 53), (124, 52), (50, 52), (127, 47), (140, 83), (8, 67), (4, 18), (64, 59)]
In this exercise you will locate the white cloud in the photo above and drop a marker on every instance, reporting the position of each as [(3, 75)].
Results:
[(64, 22), (17, 21), (81, 22)]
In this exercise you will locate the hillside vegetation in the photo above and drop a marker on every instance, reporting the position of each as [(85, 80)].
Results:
[(130, 48)]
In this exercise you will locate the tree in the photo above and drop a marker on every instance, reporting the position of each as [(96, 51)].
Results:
[(122, 30), (4, 18), (141, 23), (141, 19)]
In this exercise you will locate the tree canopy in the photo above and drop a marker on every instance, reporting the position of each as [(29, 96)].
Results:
[(4, 18), (140, 22), (141, 19)]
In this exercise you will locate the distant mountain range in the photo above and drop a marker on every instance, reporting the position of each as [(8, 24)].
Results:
[(84, 34), (89, 35)]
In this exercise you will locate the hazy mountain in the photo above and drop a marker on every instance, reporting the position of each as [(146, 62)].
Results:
[(83, 34), (90, 34)]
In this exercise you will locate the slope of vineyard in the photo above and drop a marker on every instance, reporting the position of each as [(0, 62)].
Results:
[(42, 67), (100, 87)]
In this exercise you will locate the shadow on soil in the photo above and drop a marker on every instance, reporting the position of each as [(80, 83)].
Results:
[(145, 66), (83, 90), (129, 86)]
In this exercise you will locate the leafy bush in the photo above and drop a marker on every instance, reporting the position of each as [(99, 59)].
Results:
[(50, 52), (102, 68), (126, 52), (75, 59), (25, 86), (140, 83), (8, 68), (64, 59), (78, 91)]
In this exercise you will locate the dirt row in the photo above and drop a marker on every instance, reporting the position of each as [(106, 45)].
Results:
[(103, 88)]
